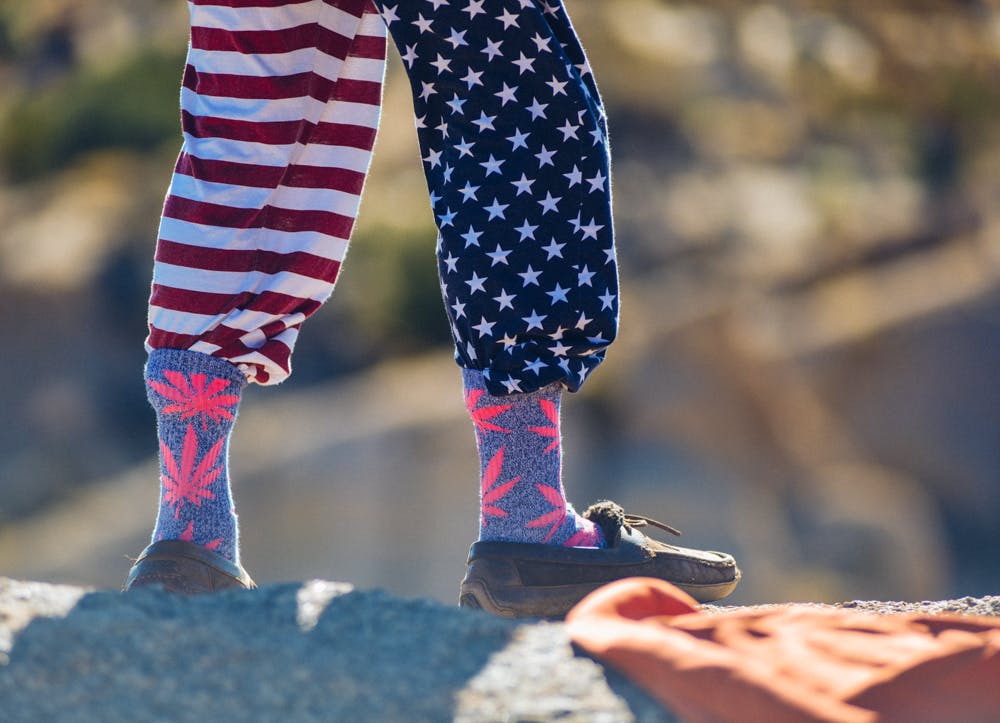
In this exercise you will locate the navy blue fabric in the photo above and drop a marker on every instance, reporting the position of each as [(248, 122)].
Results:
[(514, 144)]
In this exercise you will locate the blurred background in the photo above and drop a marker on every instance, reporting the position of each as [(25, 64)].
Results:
[(808, 205)]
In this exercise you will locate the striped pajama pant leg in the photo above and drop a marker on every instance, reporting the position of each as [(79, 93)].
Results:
[(280, 105)]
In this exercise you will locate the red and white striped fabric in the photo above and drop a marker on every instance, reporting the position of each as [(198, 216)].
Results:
[(280, 105)]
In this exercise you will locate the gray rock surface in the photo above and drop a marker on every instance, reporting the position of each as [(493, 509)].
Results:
[(317, 651)]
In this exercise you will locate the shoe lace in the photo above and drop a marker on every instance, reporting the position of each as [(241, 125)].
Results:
[(642, 521)]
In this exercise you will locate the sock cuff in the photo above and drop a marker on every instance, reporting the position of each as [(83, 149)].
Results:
[(476, 379), (193, 362)]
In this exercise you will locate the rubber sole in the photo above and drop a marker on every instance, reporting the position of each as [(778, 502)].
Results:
[(488, 586)]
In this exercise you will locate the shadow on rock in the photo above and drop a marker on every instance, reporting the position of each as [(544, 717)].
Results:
[(301, 652)]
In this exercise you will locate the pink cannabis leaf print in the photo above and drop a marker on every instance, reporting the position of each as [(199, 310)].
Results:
[(492, 492), (197, 396), (552, 413), (189, 480), (555, 518), (586, 537), (481, 417), (188, 536)]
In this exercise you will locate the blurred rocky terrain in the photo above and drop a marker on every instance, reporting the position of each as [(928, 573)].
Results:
[(808, 204)]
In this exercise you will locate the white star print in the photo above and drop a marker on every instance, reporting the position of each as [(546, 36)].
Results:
[(485, 328), (459, 308), (389, 14), (558, 293), (423, 24), (541, 43), (591, 229), (485, 121), (457, 38), (456, 104), (597, 182), (519, 140), (584, 277), (537, 109), (442, 64), (550, 203), (560, 349), (476, 283), (508, 341), (535, 320), (506, 94), (607, 300), (526, 230), (469, 192), (534, 366), (523, 185), (446, 218), (525, 64), (508, 19), (492, 48), (492, 165), (558, 86), (451, 262), (512, 385), (569, 131), (545, 157), (496, 210), (428, 90), (434, 158), (499, 256), (411, 55), (574, 177), (553, 250), (471, 237), (505, 300), (475, 8), (471, 78), (464, 148), (530, 276)]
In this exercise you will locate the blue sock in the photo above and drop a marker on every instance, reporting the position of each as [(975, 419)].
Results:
[(195, 397), (520, 450)]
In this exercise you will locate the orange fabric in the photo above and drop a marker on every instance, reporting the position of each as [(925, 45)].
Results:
[(792, 662)]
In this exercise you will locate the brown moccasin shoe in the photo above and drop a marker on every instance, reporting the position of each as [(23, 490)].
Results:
[(185, 568), (514, 579)]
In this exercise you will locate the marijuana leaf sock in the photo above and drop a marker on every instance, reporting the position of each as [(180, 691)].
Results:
[(195, 397), (520, 451)]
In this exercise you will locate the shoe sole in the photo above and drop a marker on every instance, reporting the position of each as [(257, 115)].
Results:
[(554, 602)]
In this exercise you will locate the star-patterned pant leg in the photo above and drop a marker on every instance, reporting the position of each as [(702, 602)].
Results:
[(514, 145), (280, 105)]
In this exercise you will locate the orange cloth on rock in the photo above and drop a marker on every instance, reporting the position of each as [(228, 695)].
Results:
[(792, 662)]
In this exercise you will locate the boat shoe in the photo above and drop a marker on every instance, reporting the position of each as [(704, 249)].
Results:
[(185, 568), (514, 579)]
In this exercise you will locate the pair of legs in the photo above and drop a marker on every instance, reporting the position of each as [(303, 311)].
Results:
[(280, 106)]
